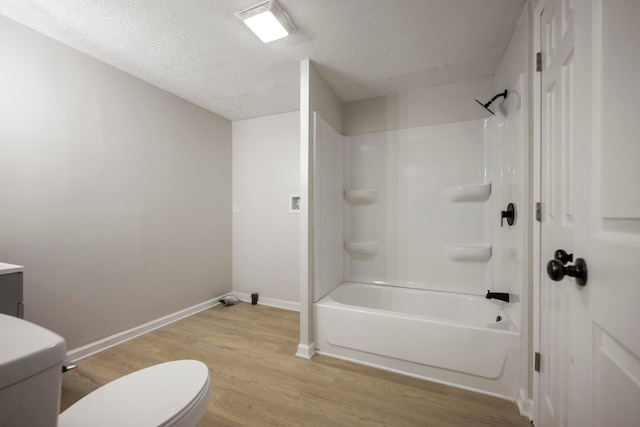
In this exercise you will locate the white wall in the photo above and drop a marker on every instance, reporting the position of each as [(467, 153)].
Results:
[(447, 103), (266, 237), (116, 196)]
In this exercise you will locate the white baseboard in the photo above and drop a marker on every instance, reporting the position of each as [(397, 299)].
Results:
[(115, 339), (306, 351), (271, 302), (525, 405)]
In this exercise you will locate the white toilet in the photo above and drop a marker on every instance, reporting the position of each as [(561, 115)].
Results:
[(169, 394)]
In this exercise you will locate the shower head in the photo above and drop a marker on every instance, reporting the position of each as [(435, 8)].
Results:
[(491, 101)]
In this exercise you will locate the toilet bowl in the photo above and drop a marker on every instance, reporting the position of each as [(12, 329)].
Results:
[(174, 393)]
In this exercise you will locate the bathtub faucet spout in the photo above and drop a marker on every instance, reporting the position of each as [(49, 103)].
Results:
[(502, 296)]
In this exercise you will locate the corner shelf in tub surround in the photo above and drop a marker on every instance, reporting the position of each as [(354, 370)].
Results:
[(468, 193), (361, 197), (468, 252), (362, 250)]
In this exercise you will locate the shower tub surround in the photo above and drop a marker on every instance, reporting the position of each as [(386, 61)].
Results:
[(403, 256), (456, 339), (414, 208)]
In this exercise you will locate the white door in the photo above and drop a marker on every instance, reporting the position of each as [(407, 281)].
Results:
[(590, 194), (558, 222)]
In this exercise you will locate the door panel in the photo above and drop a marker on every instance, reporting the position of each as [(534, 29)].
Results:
[(590, 176), (618, 148), (615, 226), (617, 374), (557, 199), (611, 237)]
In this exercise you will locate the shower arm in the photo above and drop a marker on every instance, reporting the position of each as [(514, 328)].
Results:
[(496, 97), (491, 101)]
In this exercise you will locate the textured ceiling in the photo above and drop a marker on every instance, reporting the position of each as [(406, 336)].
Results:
[(198, 49)]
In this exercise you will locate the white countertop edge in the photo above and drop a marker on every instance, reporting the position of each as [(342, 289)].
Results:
[(10, 268)]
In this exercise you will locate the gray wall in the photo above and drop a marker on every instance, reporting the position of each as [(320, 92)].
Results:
[(266, 237), (116, 196)]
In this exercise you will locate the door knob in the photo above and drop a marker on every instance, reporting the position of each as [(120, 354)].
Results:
[(562, 256), (557, 271), (509, 214)]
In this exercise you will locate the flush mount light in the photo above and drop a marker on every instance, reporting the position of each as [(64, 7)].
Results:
[(268, 20)]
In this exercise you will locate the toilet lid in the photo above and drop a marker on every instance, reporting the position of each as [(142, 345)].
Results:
[(156, 396)]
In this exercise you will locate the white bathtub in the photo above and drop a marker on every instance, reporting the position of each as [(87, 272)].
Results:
[(461, 340)]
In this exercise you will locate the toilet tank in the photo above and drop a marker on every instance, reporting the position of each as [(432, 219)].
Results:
[(30, 373)]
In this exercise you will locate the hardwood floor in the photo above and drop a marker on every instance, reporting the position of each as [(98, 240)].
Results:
[(258, 381)]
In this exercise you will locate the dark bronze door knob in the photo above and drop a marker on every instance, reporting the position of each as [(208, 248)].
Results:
[(557, 271)]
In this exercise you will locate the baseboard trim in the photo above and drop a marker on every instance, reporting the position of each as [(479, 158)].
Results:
[(306, 351), (525, 405), (115, 339), (271, 302)]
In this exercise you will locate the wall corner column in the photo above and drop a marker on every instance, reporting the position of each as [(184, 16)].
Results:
[(316, 95)]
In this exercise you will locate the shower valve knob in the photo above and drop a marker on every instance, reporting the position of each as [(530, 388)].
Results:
[(509, 214)]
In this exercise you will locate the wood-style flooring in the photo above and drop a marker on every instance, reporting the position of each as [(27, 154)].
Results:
[(257, 380)]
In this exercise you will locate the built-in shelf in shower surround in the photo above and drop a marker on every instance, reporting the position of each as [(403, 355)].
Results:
[(468, 193), (362, 250), (361, 197), (468, 252)]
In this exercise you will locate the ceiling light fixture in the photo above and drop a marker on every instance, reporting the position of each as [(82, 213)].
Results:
[(267, 20)]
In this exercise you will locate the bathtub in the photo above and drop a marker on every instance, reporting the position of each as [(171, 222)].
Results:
[(461, 340)]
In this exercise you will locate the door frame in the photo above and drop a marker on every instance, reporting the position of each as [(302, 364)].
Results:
[(536, 198)]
